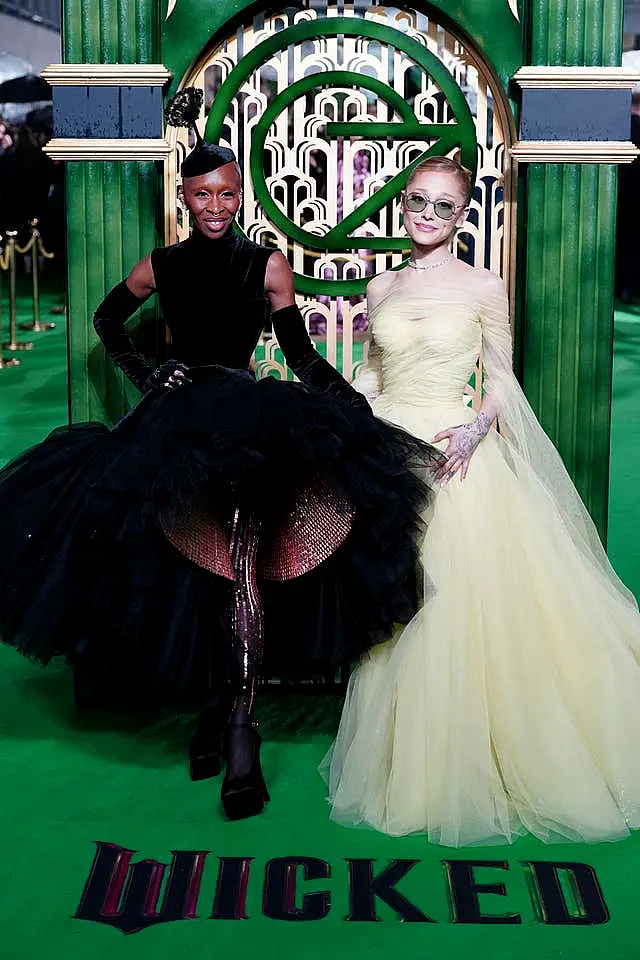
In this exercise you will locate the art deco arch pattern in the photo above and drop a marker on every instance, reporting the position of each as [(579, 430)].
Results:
[(325, 107)]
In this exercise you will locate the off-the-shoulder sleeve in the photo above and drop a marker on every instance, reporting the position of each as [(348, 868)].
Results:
[(497, 342), (531, 455)]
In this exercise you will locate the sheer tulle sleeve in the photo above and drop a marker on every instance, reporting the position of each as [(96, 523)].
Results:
[(526, 446), (497, 344)]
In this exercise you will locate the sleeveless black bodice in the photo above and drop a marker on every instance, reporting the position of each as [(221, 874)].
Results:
[(212, 298)]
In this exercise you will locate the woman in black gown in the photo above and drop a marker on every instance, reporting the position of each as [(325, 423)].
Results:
[(226, 528)]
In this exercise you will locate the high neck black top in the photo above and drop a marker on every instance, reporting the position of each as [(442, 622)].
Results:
[(212, 298)]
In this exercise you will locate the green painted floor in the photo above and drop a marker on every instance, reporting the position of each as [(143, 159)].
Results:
[(69, 781)]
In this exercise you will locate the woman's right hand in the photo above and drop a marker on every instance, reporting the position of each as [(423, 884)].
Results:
[(463, 440)]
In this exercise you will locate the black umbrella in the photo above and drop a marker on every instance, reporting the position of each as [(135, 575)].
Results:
[(26, 89)]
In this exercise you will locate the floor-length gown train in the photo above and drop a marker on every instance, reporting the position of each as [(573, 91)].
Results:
[(511, 702)]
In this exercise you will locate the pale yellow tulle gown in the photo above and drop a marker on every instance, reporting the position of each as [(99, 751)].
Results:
[(511, 702)]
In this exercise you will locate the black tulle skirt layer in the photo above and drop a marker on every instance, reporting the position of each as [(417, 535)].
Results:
[(87, 572)]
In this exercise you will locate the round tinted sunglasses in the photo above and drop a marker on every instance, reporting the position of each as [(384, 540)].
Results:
[(444, 209)]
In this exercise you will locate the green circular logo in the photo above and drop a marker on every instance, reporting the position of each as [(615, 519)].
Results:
[(439, 138)]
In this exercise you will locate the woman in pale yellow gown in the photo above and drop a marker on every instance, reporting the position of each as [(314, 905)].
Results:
[(511, 702)]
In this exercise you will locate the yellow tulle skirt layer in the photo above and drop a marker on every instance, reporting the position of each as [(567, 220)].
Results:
[(511, 703)]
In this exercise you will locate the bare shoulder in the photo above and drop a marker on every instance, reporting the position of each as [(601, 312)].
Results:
[(141, 280), (278, 270), (379, 285), (490, 282), (484, 283), (278, 281), (278, 261), (382, 280)]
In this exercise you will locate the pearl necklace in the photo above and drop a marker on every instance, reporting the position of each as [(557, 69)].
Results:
[(428, 266)]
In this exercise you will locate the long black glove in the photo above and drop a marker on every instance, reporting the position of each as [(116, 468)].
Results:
[(109, 320), (306, 362)]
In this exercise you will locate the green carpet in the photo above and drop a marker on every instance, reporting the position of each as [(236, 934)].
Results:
[(69, 781), (624, 508), (33, 396)]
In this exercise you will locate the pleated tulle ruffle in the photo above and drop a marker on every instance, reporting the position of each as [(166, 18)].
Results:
[(84, 512)]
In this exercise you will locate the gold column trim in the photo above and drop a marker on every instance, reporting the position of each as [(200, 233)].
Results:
[(106, 74), (570, 151), (573, 78), (68, 148)]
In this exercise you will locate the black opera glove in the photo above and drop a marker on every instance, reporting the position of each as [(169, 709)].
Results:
[(109, 320), (170, 374), (305, 361), (319, 373)]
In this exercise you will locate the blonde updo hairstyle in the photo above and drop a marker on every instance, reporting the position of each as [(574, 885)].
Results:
[(445, 165)]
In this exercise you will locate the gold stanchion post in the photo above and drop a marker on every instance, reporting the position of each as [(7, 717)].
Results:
[(5, 362), (13, 345), (37, 249)]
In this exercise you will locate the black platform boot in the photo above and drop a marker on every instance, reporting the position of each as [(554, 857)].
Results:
[(244, 791), (206, 744)]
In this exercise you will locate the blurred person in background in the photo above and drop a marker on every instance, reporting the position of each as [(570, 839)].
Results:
[(6, 142), (26, 177), (5, 137)]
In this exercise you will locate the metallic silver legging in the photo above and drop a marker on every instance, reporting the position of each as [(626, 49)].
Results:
[(247, 618)]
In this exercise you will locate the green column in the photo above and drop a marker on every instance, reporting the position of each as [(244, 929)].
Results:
[(112, 206), (567, 334)]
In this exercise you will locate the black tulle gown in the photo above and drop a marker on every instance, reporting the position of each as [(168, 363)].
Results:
[(112, 540)]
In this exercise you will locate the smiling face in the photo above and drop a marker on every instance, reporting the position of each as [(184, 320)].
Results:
[(425, 227), (213, 199)]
